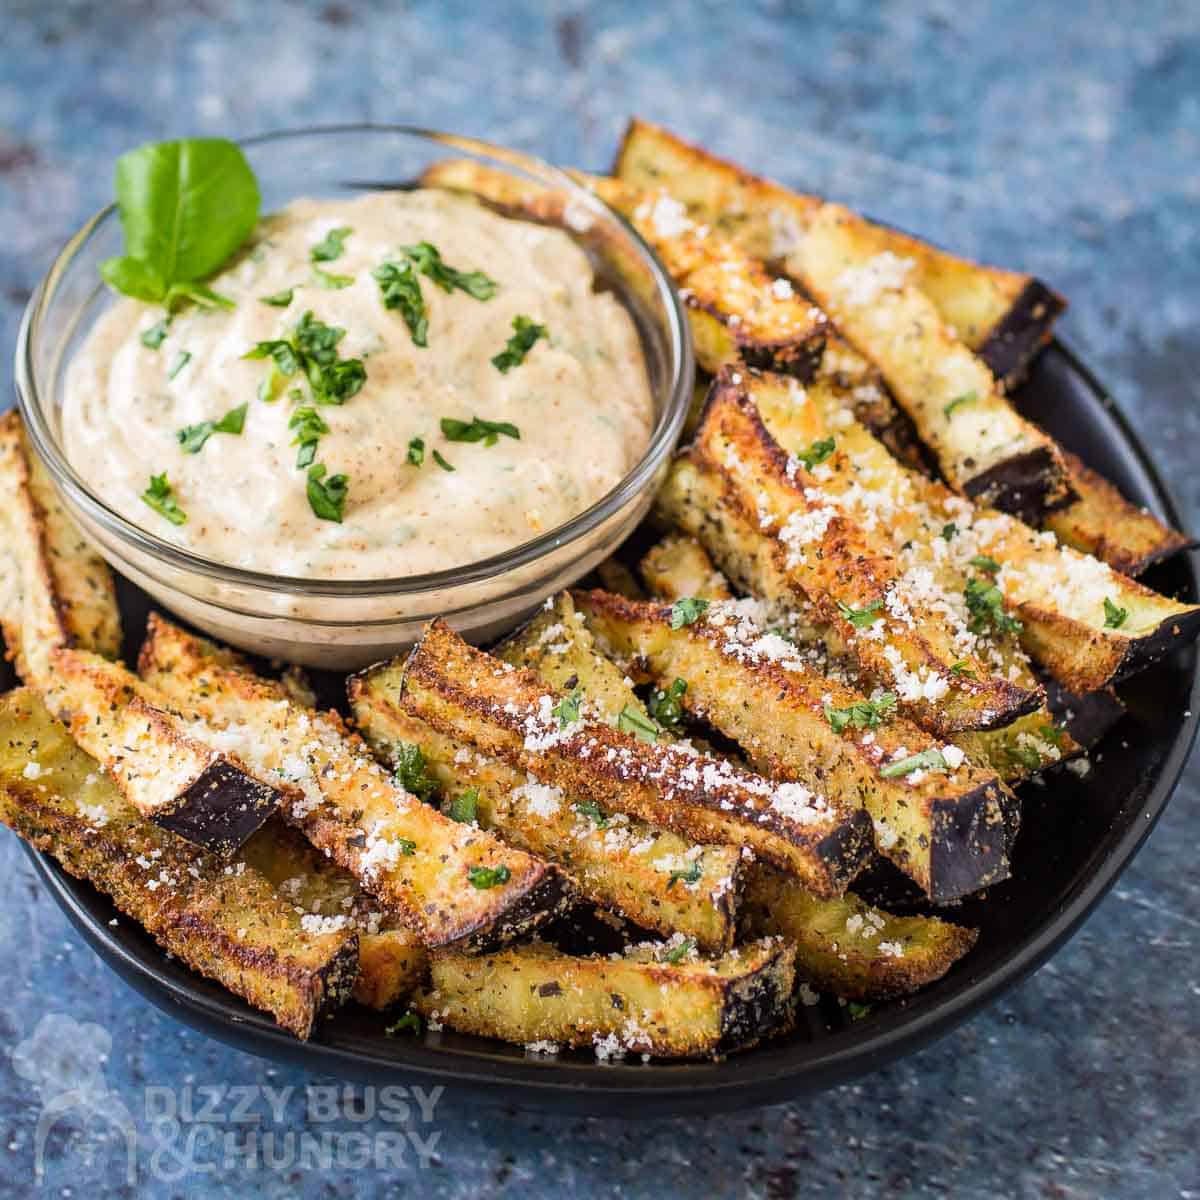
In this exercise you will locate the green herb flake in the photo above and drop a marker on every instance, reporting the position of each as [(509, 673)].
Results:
[(862, 714), (567, 709), (406, 846), (856, 1011), (692, 873), (154, 337), (590, 809), (478, 430), (1114, 617), (279, 299), (817, 453), (961, 669), (959, 402), (677, 954), (416, 451), (185, 208), (411, 772), (983, 562), (926, 760), (687, 610), (484, 878), (307, 425), (326, 497), (400, 289), (631, 719), (331, 282), (666, 707), (428, 260), (441, 462), (985, 603), (949, 530), (1027, 756), (464, 807), (409, 1023), (182, 359), (331, 246), (193, 437), (526, 333), (861, 618), (160, 498)]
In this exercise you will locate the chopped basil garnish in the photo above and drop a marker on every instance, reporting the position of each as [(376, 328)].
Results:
[(307, 425), (958, 402), (326, 497), (861, 618), (692, 873), (477, 430), (159, 496), (632, 720), (687, 610), (409, 1023), (428, 261), (949, 530), (862, 714), (589, 808), (400, 288), (441, 462), (526, 332), (416, 451), (182, 359), (985, 603), (1114, 617), (464, 806), (817, 453), (331, 282), (984, 562), (313, 349), (1027, 756), (927, 760), (567, 709), (331, 246), (676, 955), (666, 707), (856, 1011), (411, 773), (488, 877), (279, 299), (193, 437), (406, 846), (153, 337), (961, 669)]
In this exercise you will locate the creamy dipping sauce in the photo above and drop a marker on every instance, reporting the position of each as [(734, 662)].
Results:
[(580, 397)]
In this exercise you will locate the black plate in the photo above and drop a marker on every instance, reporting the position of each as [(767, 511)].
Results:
[(1077, 837)]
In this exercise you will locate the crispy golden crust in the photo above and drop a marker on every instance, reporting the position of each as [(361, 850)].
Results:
[(986, 450), (777, 710), (415, 861), (392, 962), (637, 1004), (735, 311), (848, 947), (839, 565), (224, 920), (154, 753), (1102, 522), (507, 713), (677, 566), (1003, 315)]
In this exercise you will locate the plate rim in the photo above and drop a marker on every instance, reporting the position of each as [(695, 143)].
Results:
[(632, 1089)]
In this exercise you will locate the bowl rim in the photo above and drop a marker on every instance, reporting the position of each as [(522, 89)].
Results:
[(662, 438), (630, 1090)]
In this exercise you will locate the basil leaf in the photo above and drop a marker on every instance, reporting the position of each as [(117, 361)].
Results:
[(488, 877), (400, 288), (411, 772), (589, 808), (416, 451), (1114, 616), (817, 453), (185, 208), (441, 462), (666, 707), (689, 874), (477, 430), (567, 709), (464, 807), (687, 611), (409, 1023), (184, 357), (862, 714), (279, 299), (154, 337), (331, 246), (307, 425), (861, 618), (958, 401), (428, 260), (926, 760), (632, 720), (330, 281), (193, 437), (160, 498), (676, 955), (526, 332), (326, 497)]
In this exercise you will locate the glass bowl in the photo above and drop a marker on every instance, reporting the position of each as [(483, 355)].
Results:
[(346, 623)]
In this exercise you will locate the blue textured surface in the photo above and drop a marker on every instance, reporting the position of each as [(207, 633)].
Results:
[(1061, 139)]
